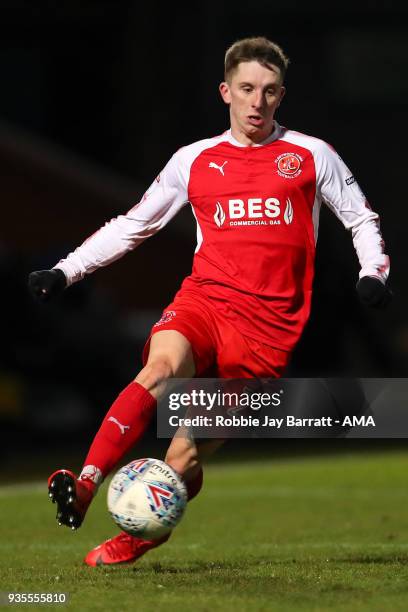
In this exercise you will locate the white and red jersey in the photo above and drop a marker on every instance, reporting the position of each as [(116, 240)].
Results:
[(257, 211)]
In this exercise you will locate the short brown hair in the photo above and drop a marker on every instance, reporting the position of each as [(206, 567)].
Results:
[(258, 49)]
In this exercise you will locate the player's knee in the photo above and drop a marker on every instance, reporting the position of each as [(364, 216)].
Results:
[(154, 374)]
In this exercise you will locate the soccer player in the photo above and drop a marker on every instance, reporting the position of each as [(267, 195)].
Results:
[(255, 191)]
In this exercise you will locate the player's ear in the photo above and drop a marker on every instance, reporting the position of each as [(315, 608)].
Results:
[(225, 92), (281, 94)]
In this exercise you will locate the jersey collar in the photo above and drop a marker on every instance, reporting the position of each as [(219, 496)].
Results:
[(276, 133)]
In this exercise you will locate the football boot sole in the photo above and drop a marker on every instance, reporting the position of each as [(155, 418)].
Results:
[(62, 491)]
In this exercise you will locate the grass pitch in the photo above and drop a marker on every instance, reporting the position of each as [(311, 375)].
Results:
[(326, 533)]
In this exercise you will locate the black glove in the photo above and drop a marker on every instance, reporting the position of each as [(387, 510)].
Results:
[(46, 284), (372, 292)]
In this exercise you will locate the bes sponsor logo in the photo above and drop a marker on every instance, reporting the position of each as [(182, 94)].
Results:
[(289, 165), (254, 211), (350, 180), (219, 216)]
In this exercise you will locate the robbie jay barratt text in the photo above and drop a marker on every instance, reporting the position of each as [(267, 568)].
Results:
[(267, 421)]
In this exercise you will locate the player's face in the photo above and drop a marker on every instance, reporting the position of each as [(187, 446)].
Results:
[(254, 92)]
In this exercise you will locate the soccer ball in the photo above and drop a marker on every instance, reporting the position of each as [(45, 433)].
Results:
[(147, 498)]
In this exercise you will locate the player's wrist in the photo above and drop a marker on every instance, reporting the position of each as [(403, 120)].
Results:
[(46, 284), (374, 292)]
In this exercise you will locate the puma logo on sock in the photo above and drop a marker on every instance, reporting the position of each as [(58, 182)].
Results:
[(121, 427)]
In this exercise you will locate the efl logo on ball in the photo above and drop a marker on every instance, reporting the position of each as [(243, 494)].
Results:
[(289, 165)]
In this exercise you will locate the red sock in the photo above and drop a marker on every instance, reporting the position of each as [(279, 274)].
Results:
[(123, 426), (194, 485)]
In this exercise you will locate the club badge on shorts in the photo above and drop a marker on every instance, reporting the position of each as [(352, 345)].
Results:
[(167, 316)]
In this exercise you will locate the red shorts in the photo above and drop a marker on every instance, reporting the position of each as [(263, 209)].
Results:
[(219, 349)]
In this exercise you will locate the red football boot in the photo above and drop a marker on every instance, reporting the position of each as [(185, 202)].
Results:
[(123, 548), (72, 496)]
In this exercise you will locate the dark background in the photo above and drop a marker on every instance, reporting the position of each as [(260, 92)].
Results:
[(95, 98)]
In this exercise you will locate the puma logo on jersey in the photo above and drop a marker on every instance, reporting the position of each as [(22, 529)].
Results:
[(121, 427), (220, 168)]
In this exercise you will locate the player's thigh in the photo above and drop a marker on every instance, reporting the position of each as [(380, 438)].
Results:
[(176, 348), (190, 315), (170, 356)]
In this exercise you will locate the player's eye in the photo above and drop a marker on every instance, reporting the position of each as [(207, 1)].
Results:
[(246, 88)]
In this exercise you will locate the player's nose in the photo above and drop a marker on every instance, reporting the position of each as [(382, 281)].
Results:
[(257, 100)]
